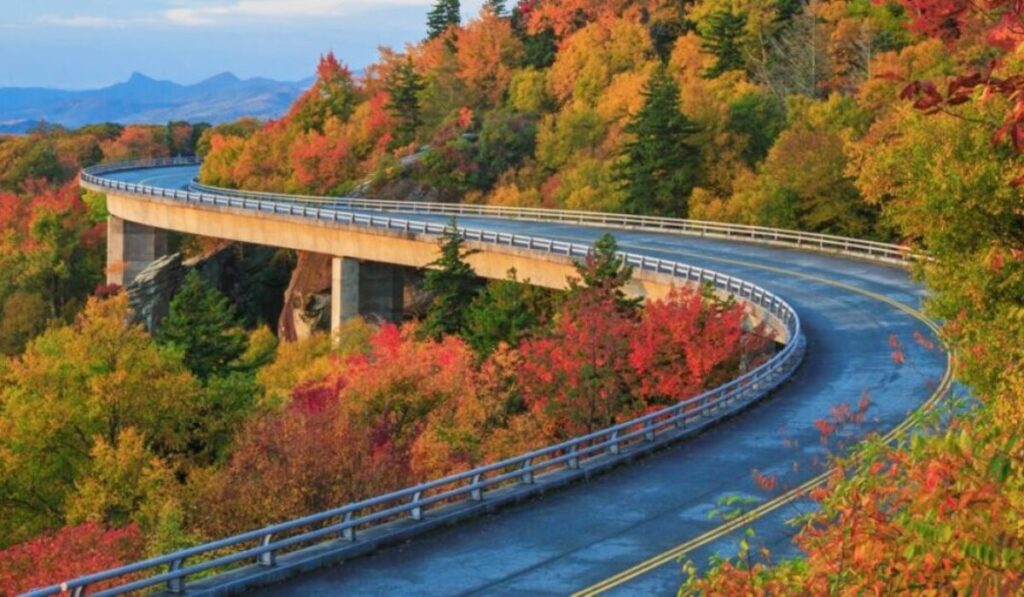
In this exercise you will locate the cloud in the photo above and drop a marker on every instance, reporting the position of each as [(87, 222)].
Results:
[(86, 22), (275, 9)]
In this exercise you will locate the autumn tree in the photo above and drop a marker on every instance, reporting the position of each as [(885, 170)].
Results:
[(324, 162), (74, 387), (137, 143), (68, 553), (34, 159), (660, 165), (687, 343), (123, 484), (294, 463), (49, 257), (487, 51), (577, 379), (333, 95)]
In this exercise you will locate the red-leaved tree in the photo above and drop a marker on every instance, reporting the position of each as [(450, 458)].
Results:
[(69, 553)]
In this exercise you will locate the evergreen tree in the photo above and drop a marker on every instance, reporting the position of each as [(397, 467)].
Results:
[(604, 272), (404, 87), (444, 14), (538, 49), (496, 6), (454, 285), (659, 167), (203, 325), (506, 311), (721, 35)]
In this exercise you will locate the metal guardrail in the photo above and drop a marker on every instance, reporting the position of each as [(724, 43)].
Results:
[(872, 250), (263, 546)]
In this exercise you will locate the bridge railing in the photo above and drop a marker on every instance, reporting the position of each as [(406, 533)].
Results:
[(263, 546), (873, 250)]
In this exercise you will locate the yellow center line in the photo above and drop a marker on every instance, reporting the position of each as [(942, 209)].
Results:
[(797, 492)]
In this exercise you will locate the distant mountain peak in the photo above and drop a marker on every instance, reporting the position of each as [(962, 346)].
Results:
[(224, 77), (138, 77)]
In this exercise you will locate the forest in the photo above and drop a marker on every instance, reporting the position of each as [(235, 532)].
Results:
[(895, 120)]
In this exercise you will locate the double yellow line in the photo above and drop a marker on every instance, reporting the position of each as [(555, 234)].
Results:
[(797, 492)]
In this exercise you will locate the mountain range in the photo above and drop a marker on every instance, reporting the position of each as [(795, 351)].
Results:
[(144, 100)]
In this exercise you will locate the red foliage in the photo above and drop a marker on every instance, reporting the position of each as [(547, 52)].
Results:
[(578, 379), (68, 553), (322, 161), (947, 20), (599, 366), (330, 68), (937, 18), (137, 143), (20, 213), (679, 344), (104, 291)]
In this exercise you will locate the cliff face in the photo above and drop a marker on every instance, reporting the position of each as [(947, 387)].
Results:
[(307, 300), (252, 277)]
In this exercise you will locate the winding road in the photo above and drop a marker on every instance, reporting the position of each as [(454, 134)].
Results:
[(622, 531)]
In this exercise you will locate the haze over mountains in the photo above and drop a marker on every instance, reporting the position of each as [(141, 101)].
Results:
[(143, 100)]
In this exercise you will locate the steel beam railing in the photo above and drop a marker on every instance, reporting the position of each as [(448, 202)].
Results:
[(866, 249)]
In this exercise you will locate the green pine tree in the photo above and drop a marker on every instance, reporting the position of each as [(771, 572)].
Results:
[(203, 325), (404, 87), (659, 166), (444, 14), (721, 35), (454, 285), (605, 272), (506, 311)]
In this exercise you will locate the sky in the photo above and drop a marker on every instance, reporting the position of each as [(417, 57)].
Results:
[(84, 44)]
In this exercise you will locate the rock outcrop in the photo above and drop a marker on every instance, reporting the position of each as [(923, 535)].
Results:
[(307, 301)]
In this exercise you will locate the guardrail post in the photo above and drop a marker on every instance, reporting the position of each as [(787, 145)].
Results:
[(417, 511), (349, 532), (267, 558), (527, 476), (649, 430), (477, 493), (176, 585), (614, 448), (574, 460)]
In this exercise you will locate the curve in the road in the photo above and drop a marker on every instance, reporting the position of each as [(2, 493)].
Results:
[(618, 531)]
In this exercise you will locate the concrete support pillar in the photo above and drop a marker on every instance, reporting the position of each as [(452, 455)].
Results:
[(344, 290), (382, 291), (365, 288), (131, 248)]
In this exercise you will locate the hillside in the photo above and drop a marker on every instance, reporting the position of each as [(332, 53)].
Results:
[(143, 100)]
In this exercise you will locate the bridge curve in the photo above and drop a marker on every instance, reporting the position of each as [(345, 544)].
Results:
[(849, 308)]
